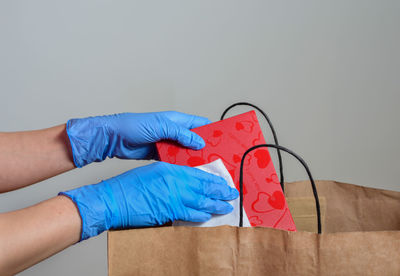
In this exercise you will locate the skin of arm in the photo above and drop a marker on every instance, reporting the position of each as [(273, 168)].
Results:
[(32, 234), (28, 157)]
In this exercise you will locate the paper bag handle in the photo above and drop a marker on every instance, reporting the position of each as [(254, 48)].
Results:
[(314, 188), (273, 134)]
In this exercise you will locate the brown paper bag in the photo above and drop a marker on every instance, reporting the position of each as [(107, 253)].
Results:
[(361, 236)]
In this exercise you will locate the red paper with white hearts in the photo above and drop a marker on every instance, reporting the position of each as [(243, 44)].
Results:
[(264, 202)]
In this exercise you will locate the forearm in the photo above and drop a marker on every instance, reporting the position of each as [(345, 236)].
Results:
[(32, 156), (30, 235)]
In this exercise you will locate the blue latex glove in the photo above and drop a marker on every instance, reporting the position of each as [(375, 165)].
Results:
[(151, 195), (130, 135)]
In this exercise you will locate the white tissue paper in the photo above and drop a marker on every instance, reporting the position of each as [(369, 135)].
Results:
[(217, 167)]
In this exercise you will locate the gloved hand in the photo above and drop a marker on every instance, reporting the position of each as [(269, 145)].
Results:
[(151, 195), (130, 135)]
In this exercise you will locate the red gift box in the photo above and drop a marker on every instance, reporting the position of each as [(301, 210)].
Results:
[(263, 199)]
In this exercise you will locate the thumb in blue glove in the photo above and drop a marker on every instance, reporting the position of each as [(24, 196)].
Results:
[(151, 195), (130, 135)]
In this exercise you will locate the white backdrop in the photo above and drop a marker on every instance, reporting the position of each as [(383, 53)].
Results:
[(327, 73)]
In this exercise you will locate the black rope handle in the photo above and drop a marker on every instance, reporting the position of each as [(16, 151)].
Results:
[(273, 133), (314, 188)]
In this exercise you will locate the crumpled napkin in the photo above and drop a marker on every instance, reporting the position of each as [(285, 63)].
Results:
[(217, 167)]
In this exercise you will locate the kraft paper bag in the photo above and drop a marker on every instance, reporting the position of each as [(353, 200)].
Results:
[(361, 236)]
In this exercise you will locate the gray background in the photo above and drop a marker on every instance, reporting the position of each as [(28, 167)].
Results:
[(326, 72)]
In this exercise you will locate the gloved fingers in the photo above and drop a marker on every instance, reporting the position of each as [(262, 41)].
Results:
[(186, 120), (183, 136), (210, 185), (205, 204), (195, 216), (216, 191)]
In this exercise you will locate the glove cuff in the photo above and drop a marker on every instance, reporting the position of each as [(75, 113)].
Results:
[(88, 140), (96, 206)]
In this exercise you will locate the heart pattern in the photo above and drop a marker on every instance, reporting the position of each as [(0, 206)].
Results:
[(260, 205), (246, 126), (273, 179), (255, 220), (215, 139), (236, 158), (227, 140), (217, 133), (263, 158), (277, 200), (265, 201)]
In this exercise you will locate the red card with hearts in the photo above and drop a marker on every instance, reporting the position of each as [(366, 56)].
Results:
[(264, 202)]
